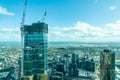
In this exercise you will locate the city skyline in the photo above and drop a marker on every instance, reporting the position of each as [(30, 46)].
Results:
[(69, 20)]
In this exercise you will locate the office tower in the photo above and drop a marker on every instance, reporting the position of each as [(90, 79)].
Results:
[(107, 65), (35, 49)]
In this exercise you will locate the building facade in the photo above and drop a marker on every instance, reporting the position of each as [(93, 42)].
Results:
[(107, 65), (35, 49)]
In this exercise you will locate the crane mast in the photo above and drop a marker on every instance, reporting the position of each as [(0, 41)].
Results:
[(22, 32), (24, 13), (45, 13)]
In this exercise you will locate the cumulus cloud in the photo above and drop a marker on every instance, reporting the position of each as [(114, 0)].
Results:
[(4, 11), (9, 34), (112, 8), (80, 31)]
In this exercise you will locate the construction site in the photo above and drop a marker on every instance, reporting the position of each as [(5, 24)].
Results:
[(34, 63)]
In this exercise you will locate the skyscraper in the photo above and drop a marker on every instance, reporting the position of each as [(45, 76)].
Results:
[(107, 65), (35, 49)]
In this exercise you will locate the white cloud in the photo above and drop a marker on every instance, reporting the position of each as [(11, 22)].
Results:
[(80, 31), (4, 11), (9, 34), (112, 8)]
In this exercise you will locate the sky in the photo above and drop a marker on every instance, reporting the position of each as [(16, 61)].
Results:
[(68, 20)]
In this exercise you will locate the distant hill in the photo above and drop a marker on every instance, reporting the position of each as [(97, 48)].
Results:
[(63, 44), (10, 44), (50, 44)]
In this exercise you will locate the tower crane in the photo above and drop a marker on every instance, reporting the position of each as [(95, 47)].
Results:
[(24, 13), (45, 13), (22, 32)]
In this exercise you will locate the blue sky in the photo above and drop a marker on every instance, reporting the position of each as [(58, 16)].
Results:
[(83, 20)]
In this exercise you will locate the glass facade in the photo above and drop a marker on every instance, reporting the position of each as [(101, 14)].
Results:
[(35, 48)]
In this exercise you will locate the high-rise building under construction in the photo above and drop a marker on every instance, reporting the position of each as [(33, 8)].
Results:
[(35, 49)]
